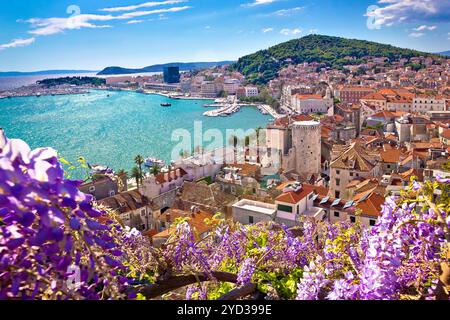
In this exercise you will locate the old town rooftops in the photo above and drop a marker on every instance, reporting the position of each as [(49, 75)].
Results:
[(354, 157)]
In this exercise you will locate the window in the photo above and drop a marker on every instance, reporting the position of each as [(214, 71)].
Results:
[(351, 174), (372, 222), (352, 219), (338, 194), (336, 214), (251, 219), (284, 208), (338, 172), (310, 196), (338, 182), (143, 212)]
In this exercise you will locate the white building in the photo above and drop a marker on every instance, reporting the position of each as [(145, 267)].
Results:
[(425, 103), (251, 91), (163, 182), (296, 203), (230, 86), (310, 103), (250, 212)]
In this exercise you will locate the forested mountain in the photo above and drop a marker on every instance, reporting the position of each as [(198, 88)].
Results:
[(264, 65)]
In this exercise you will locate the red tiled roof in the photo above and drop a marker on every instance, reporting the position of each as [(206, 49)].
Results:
[(295, 197)]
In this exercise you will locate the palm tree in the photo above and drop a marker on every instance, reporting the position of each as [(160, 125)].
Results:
[(154, 170), (136, 174), (139, 160), (122, 172)]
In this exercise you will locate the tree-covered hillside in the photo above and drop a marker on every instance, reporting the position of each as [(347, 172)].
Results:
[(264, 65)]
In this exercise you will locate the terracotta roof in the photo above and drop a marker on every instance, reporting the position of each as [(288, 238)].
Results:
[(161, 177), (374, 96), (196, 221), (353, 157), (411, 173), (369, 203), (246, 169), (295, 197), (286, 121), (320, 190), (446, 134), (308, 96), (125, 201), (384, 115), (391, 156)]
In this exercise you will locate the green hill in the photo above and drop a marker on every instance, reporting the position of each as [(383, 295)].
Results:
[(264, 65)]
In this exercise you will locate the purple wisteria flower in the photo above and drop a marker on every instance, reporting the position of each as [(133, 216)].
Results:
[(246, 272), (47, 226)]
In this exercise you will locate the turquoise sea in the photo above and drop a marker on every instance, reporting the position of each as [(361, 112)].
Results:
[(110, 128)]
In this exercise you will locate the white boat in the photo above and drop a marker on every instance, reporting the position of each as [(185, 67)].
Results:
[(151, 162)]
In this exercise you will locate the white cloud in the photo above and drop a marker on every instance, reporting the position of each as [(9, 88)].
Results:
[(425, 27), (146, 13), (135, 21), (288, 12), (266, 30), (258, 3), (416, 34), (142, 5), (288, 32), (50, 26), (407, 11), (17, 43)]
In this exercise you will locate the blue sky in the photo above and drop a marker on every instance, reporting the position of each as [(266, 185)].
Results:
[(93, 34)]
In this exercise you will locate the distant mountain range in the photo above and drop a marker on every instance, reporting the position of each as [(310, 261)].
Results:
[(43, 73), (264, 65), (188, 66), (445, 53)]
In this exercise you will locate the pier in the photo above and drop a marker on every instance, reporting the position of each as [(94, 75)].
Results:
[(226, 109)]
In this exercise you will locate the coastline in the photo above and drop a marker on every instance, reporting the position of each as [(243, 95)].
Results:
[(33, 91)]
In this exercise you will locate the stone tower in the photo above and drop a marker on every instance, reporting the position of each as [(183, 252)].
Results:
[(306, 139)]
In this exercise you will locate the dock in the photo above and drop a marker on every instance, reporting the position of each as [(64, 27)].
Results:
[(228, 109)]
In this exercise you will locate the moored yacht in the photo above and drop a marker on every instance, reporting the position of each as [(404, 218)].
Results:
[(152, 162)]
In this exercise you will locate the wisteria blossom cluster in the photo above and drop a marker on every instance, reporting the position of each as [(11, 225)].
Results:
[(55, 243)]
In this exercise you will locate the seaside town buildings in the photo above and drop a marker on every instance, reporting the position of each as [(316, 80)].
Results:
[(341, 142)]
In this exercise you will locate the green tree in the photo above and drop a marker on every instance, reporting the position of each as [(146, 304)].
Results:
[(139, 161), (154, 170), (137, 175)]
